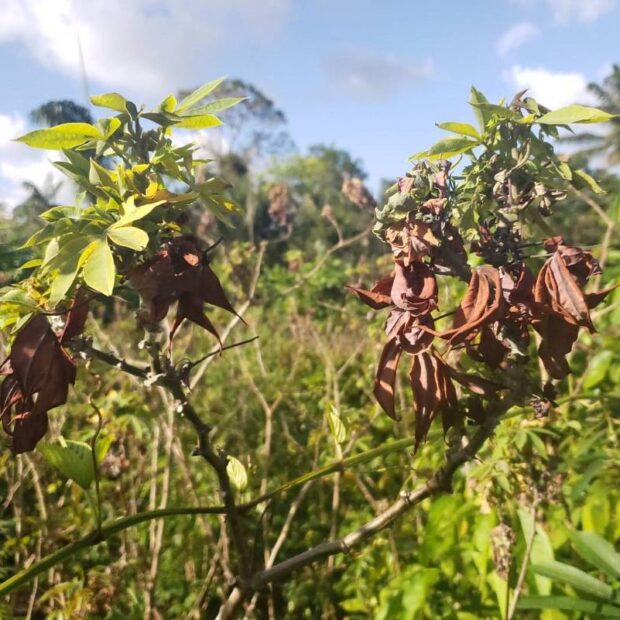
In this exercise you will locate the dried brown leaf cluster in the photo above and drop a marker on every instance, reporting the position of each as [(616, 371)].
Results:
[(492, 321), (38, 373), (179, 273)]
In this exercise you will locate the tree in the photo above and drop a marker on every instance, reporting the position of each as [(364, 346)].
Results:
[(256, 127), (58, 112)]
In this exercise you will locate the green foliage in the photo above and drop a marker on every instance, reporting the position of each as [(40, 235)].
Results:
[(602, 556), (122, 188)]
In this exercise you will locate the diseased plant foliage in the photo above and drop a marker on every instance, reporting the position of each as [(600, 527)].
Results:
[(485, 298), (494, 210), (125, 231)]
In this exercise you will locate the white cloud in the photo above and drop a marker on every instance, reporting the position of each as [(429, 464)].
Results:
[(565, 11), (10, 127), (373, 77), (19, 164), (147, 46), (553, 90), (582, 10), (516, 36)]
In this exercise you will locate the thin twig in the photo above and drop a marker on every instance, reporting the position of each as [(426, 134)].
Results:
[(191, 365)]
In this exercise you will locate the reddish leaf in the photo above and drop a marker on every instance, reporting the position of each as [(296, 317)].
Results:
[(483, 304), (378, 296), (188, 308), (76, 316), (414, 288), (39, 373), (385, 379), (180, 272)]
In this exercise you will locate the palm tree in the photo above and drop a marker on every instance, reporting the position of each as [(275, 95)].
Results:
[(63, 111), (606, 145)]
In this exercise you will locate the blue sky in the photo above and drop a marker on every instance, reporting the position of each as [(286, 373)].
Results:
[(370, 77)]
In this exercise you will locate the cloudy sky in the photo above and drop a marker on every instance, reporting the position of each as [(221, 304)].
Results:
[(370, 76)]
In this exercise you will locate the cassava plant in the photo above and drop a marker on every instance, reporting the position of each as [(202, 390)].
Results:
[(484, 224), (477, 224)]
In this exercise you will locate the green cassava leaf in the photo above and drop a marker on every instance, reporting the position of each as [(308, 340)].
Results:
[(129, 237), (109, 126), (113, 101), (198, 95), (489, 110), (336, 425), (137, 213), (168, 104), (99, 270), (465, 129), (582, 180), (597, 368), (218, 105), (203, 121), (475, 98), (575, 114), (65, 136), (65, 267), (446, 148)]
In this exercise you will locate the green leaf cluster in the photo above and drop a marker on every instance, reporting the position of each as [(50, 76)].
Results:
[(136, 185)]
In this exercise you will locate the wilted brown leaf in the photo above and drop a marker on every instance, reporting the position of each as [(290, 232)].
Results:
[(179, 272), (39, 373), (482, 304)]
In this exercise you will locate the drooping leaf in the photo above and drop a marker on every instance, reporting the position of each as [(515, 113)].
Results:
[(75, 319), (38, 374), (385, 379), (482, 304), (379, 296)]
